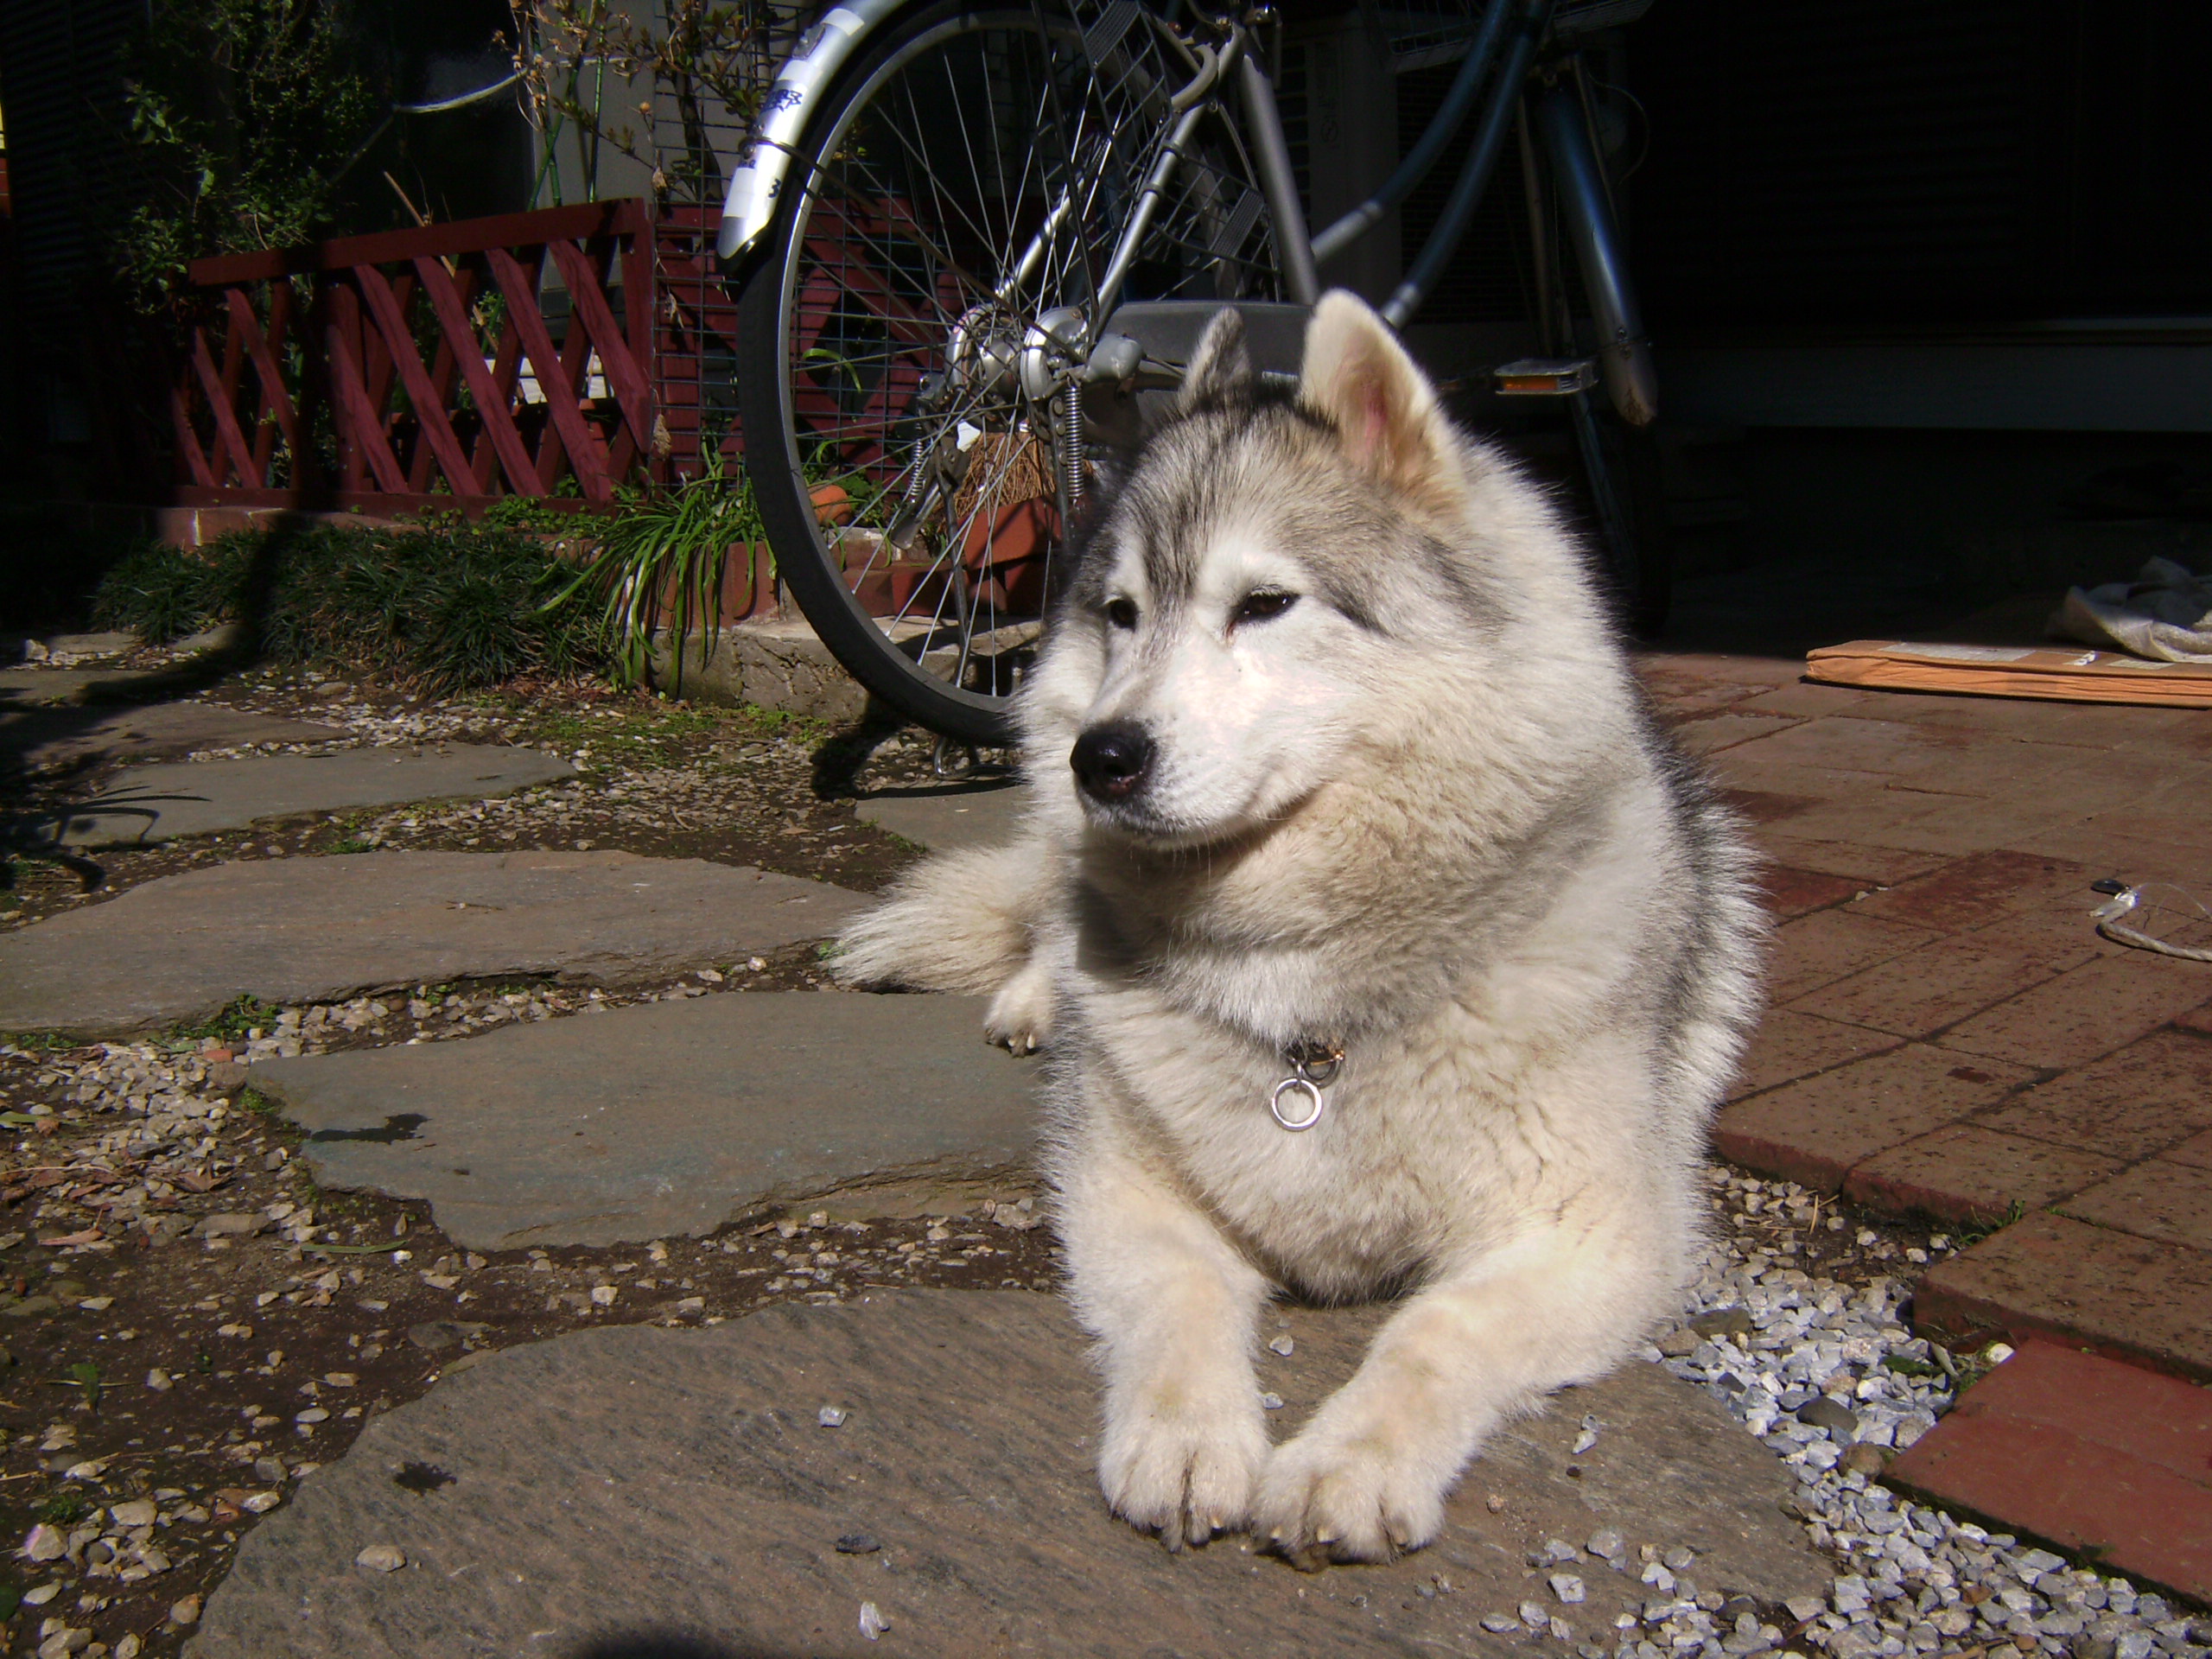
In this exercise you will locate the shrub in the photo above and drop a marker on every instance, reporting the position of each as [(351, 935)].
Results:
[(449, 607)]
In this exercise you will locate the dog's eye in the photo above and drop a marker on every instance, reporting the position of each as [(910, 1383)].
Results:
[(1122, 613), (1263, 604)]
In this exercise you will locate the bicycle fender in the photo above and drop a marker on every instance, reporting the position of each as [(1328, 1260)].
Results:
[(756, 186)]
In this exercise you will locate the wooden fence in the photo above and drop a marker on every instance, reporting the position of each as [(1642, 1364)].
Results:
[(560, 354)]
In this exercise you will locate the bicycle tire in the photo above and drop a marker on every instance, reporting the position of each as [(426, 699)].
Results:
[(870, 347)]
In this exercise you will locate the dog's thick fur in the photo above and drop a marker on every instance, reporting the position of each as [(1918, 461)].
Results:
[(1420, 811)]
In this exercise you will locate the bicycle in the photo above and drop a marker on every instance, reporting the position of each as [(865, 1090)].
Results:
[(970, 238)]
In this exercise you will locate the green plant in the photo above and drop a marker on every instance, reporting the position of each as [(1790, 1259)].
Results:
[(230, 1022), (161, 592), (85, 1377), (662, 563), (245, 116), (62, 1509), (447, 606), (1974, 1231)]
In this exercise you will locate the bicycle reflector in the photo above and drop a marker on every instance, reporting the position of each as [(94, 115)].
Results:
[(1544, 376)]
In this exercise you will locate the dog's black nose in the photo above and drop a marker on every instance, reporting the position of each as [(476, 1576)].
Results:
[(1110, 761)]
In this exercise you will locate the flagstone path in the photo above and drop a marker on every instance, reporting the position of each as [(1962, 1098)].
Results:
[(669, 1118), (301, 930), (955, 815), (636, 1491), (160, 803), (40, 735)]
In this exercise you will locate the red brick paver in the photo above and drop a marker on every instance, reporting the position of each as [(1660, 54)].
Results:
[(1965, 1173), (1814, 1130), (2133, 1298), (2097, 1458), (2160, 1197), (2128, 1105), (1949, 1034), (2085, 1014)]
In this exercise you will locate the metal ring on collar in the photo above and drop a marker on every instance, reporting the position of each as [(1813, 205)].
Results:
[(1294, 1124)]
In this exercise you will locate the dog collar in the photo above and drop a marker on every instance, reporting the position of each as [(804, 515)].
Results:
[(1312, 1068)]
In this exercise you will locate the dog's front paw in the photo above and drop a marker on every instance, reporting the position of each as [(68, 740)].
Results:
[(1184, 1474), (1020, 1018), (1348, 1495)]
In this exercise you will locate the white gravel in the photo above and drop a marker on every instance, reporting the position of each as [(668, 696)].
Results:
[(1911, 1578)]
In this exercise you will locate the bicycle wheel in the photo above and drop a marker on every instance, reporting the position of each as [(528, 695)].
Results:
[(966, 175)]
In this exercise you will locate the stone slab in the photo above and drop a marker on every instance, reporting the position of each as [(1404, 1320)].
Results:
[(314, 930), (24, 686), (2137, 1299), (2091, 1455), (665, 1118), (43, 737), (152, 804), (771, 663), (635, 1491), (944, 820)]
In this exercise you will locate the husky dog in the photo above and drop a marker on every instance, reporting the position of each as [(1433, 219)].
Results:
[(1382, 946)]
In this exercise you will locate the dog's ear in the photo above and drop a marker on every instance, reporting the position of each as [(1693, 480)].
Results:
[(1221, 363), (1357, 377)]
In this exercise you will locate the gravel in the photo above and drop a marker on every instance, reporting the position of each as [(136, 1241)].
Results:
[(1818, 1366)]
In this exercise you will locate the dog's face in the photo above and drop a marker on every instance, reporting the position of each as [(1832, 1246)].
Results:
[(1231, 637)]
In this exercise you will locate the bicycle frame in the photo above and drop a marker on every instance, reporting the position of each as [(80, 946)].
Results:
[(1561, 127)]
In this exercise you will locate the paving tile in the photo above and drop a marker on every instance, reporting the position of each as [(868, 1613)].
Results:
[(2151, 1095), (1709, 734), (2135, 846), (2196, 1020), (1821, 948), (1881, 866), (1970, 892), (1739, 769), (1965, 1173), (1811, 699), (1853, 743), (2082, 725), (1722, 667), (1814, 1131), (2091, 1455), (1788, 1045), (1764, 806), (1918, 820), (2077, 779), (1789, 893), (2196, 1152), (2160, 1197), (1926, 990), (2089, 1011), (1964, 825), (2048, 1275)]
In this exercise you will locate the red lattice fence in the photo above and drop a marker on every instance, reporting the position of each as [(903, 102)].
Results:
[(530, 355)]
